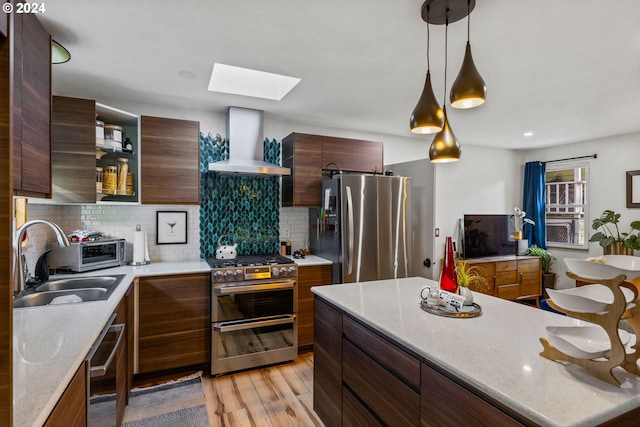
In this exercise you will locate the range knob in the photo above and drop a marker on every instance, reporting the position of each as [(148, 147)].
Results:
[(275, 272), (292, 271), (228, 275), (217, 276), (238, 274), (283, 272)]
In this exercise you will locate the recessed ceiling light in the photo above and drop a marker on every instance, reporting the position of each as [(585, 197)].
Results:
[(247, 82), (528, 133), (185, 74)]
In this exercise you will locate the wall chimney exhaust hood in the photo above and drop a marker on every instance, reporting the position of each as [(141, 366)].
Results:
[(246, 146)]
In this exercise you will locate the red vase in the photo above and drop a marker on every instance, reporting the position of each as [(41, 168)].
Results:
[(448, 278)]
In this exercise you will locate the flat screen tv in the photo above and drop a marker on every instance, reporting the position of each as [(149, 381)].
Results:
[(488, 235)]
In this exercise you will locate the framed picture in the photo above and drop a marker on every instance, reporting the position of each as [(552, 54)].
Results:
[(633, 189), (171, 227)]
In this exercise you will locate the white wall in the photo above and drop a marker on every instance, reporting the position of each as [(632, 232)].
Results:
[(483, 181), (616, 155)]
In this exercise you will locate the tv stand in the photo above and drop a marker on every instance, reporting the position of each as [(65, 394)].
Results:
[(515, 278)]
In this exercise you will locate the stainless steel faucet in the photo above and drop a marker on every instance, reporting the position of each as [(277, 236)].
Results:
[(20, 270)]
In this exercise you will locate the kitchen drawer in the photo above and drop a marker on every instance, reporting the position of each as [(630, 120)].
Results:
[(510, 292), (468, 408), (393, 401), (398, 362), (506, 278), (506, 266), (528, 265), (354, 414)]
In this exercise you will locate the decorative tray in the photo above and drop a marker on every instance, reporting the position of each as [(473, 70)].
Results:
[(473, 310)]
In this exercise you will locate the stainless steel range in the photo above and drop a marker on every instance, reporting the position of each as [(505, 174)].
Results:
[(253, 312)]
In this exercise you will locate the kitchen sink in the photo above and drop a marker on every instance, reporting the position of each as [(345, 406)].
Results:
[(80, 283), (74, 289), (45, 298)]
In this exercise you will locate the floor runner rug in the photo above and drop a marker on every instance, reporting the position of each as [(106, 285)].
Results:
[(179, 403)]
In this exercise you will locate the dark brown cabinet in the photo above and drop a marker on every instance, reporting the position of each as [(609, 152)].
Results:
[(314, 275), (327, 363), (71, 409), (364, 378), (308, 155), (170, 161), (302, 153), (73, 149), (174, 322), (352, 155), (30, 80), (444, 402)]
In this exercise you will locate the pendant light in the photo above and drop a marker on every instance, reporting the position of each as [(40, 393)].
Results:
[(427, 117), (445, 147), (59, 54), (469, 89)]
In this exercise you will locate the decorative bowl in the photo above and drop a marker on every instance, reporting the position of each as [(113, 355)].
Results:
[(583, 342), (593, 298), (606, 267)]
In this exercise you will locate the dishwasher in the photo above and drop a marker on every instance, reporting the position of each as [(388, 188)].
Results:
[(101, 376)]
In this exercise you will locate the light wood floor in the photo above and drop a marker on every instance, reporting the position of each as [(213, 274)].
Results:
[(280, 395)]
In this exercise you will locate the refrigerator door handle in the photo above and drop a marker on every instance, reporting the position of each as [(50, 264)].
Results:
[(350, 226)]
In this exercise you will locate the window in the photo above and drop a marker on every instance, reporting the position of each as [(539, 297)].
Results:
[(566, 205)]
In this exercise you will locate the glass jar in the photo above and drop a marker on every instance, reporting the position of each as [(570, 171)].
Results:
[(99, 172), (109, 179), (130, 184), (123, 170), (99, 129), (113, 136)]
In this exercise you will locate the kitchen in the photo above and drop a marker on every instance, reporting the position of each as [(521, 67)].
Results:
[(500, 188)]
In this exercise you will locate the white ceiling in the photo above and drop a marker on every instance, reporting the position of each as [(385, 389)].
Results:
[(568, 70)]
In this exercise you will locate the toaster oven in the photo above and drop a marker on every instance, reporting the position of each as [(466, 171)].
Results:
[(86, 256)]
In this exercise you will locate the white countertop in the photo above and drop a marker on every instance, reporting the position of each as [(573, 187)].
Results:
[(50, 342), (310, 260), (497, 352)]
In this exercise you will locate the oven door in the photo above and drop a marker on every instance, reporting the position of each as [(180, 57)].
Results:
[(254, 324), (253, 300), (243, 344)]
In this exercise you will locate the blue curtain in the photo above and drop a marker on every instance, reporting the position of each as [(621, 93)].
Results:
[(533, 203)]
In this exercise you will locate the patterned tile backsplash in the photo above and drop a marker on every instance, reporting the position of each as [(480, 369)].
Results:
[(238, 209)]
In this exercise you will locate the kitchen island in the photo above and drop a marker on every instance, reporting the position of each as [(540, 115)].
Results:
[(378, 354)]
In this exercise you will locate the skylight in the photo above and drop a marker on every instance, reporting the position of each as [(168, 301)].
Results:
[(247, 82)]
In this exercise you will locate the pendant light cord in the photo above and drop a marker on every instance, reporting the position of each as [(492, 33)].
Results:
[(446, 49), (468, 19), (428, 41)]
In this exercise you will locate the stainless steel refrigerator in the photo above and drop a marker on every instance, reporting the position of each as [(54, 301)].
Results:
[(364, 227)]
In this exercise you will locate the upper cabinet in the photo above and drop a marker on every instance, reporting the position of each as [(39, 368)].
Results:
[(30, 76), (352, 155), (309, 155), (303, 155), (92, 161), (170, 161), (80, 158)]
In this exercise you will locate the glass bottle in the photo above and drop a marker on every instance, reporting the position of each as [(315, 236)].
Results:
[(448, 278)]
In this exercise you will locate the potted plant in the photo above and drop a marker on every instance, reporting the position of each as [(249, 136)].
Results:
[(608, 234), (469, 276), (547, 259)]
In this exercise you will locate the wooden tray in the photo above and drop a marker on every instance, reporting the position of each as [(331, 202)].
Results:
[(473, 310)]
